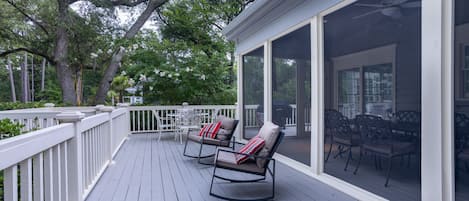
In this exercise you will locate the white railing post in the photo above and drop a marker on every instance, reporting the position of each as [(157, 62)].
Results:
[(98, 108), (126, 105), (110, 133), (75, 160)]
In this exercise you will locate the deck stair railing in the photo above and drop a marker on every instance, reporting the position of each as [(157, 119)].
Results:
[(62, 161)]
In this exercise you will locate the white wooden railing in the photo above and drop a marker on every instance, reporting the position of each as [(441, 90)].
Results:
[(142, 118), (62, 162), (38, 118)]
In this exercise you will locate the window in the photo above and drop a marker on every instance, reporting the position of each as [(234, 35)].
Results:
[(372, 97), (378, 90), (349, 92), (253, 91)]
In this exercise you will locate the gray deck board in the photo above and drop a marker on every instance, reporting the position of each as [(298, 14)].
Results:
[(146, 169)]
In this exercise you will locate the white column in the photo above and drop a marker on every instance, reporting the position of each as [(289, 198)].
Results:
[(317, 145), (437, 100), (75, 161), (267, 81)]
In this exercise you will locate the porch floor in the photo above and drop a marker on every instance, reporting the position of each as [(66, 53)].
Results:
[(146, 169)]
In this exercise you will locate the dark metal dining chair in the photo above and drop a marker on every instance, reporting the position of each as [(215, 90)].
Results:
[(461, 130), (342, 134), (378, 139)]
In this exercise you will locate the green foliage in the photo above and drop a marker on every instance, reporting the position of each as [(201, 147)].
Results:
[(190, 61), (9, 128), (19, 105)]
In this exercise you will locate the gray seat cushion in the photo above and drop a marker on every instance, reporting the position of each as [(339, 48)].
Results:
[(228, 160), (210, 141)]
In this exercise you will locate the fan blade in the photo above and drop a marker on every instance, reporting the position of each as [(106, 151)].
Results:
[(414, 4), (366, 14), (369, 5)]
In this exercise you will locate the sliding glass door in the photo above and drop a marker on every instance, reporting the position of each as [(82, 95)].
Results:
[(291, 92), (372, 97)]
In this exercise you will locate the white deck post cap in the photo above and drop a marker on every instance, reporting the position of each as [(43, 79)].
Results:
[(70, 116), (106, 109)]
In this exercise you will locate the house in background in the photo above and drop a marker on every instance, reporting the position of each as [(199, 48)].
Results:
[(372, 94)]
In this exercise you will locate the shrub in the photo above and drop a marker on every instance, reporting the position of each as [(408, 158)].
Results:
[(9, 128)]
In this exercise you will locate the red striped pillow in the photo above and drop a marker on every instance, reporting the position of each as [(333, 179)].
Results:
[(210, 130), (253, 146)]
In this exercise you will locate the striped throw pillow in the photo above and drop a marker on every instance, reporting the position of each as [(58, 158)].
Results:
[(210, 130), (253, 146)]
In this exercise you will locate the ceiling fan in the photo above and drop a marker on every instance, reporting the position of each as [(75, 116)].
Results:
[(390, 8)]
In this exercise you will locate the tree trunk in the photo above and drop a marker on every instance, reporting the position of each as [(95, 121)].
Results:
[(79, 85), (111, 71), (24, 80), (32, 79), (12, 81), (43, 74), (64, 73), (109, 74)]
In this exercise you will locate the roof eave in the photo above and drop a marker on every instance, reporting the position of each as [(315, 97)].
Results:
[(249, 16)]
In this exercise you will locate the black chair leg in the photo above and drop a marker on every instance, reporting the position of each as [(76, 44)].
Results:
[(359, 161), (348, 157), (270, 197), (329, 152), (341, 151), (185, 147), (388, 174), (376, 161)]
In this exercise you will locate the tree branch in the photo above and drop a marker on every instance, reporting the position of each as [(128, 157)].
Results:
[(129, 3), (8, 52), (40, 25), (152, 6)]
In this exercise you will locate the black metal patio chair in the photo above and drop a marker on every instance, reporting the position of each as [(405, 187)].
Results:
[(224, 138), (257, 165), (378, 138), (342, 134), (461, 129)]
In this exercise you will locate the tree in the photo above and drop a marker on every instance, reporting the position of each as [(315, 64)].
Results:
[(47, 27), (191, 60)]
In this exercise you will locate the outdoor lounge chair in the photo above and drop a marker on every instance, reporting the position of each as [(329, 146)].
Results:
[(224, 138), (257, 164)]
